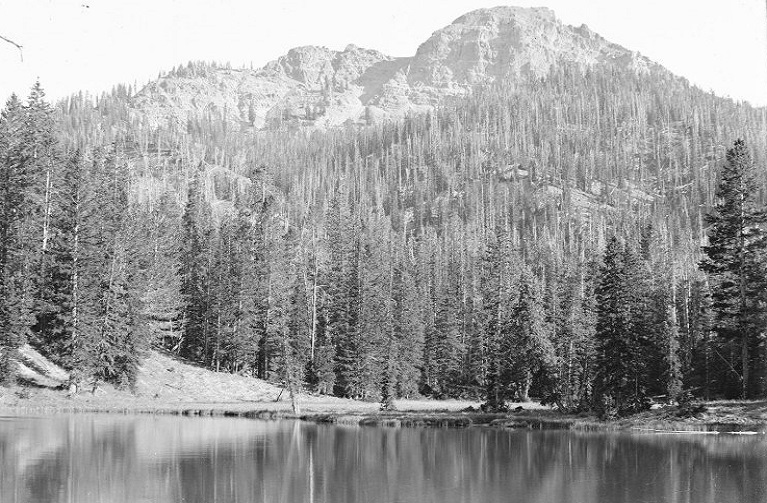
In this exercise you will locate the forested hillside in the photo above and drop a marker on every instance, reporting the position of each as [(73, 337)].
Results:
[(542, 240)]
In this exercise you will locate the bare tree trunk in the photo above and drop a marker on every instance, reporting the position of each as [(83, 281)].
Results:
[(294, 399), (75, 286), (743, 299), (524, 392), (744, 360), (314, 312), (47, 209), (108, 306)]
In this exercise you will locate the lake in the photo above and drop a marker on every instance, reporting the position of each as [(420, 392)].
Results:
[(159, 459)]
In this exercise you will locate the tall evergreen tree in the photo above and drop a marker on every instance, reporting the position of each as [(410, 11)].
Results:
[(119, 329), (408, 330), (160, 255), (486, 350), (288, 332), (444, 345), (736, 263), (527, 348), (62, 317), (15, 181), (193, 272), (660, 318), (41, 159), (345, 300), (621, 344), (573, 336), (700, 366)]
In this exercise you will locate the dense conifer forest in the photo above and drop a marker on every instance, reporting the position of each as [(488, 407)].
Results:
[(593, 239)]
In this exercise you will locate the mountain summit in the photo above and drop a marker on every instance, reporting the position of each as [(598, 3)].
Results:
[(317, 86), (504, 43)]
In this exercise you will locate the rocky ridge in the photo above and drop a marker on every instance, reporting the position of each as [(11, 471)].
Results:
[(316, 86)]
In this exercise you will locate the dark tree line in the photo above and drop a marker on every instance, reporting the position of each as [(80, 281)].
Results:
[(537, 244), (69, 278)]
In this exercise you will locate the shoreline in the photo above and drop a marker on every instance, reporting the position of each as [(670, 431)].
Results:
[(352, 413), (169, 386)]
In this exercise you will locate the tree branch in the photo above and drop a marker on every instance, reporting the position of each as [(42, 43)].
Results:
[(21, 53)]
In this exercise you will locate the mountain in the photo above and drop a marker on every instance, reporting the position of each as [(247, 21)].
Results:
[(321, 87), (214, 226)]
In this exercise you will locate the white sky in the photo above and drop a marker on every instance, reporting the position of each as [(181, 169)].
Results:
[(720, 45)]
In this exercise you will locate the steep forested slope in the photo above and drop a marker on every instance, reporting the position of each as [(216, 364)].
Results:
[(455, 251)]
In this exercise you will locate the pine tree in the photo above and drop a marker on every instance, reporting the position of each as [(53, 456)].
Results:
[(573, 326), (121, 337), (160, 232), (257, 276), (408, 331), (235, 287), (660, 319), (118, 332), (41, 159), (664, 358), (701, 371), (376, 345), (487, 347), (249, 287), (62, 316), (288, 329), (735, 262), (526, 347), (388, 389), (621, 342), (443, 340), (334, 312), (219, 312), (15, 203), (345, 300), (193, 272)]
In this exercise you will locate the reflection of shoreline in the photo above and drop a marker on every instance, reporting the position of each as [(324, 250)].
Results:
[(112, 459), (154, 435), (39, 458), (720, 447)]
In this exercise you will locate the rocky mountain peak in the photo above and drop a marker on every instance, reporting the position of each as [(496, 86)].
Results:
[(307, 64), (503, 43), (505, 13), (320, 87)]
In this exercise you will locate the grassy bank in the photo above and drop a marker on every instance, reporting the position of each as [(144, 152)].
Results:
[(168, 386)]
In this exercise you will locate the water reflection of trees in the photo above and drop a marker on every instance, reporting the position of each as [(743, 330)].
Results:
[(82, 461)]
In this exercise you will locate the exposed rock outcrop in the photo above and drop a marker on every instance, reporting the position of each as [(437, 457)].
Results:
[(316, 86)]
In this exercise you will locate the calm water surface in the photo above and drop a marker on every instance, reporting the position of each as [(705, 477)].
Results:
[(115, 459)]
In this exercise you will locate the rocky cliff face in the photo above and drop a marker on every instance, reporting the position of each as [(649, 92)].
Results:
[(315, 86), (504, 43)]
